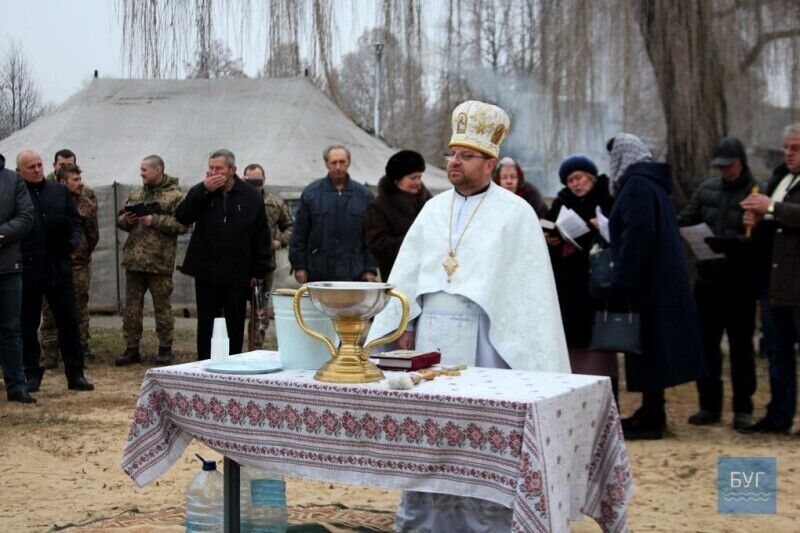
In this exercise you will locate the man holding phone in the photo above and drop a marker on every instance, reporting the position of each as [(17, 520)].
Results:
[(149, 258)]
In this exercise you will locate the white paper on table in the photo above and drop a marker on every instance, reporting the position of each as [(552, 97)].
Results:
[(570, 224), (695, 238), (602, 224)]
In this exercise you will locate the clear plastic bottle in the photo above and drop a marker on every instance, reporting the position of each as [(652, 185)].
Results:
[(205, 509), (263, 501)]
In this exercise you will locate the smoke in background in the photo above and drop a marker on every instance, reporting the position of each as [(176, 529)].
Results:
[(543, 131)]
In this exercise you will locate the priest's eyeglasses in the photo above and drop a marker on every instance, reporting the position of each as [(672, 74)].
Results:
[(464, 157)]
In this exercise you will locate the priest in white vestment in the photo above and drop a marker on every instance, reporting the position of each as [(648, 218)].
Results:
[(477, 273)]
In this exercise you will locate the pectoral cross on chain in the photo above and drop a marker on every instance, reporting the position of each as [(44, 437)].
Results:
[(450, 264)]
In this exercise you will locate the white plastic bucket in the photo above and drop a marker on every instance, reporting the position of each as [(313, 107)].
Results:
[(296, 348)]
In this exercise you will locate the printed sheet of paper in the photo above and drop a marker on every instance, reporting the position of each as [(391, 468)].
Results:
[(694, 237), (570, 224)]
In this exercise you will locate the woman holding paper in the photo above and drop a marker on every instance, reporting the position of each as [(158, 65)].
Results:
[(574, 211)]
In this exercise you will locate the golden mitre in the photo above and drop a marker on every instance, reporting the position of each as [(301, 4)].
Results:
[(479, 126)]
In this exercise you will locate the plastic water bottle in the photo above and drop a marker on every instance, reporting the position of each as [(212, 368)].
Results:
[(204, 506), (263, 501)]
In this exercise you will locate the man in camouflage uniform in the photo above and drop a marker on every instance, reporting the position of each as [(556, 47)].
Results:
[(69, 175), (62, 157), (279, 219), (149, 258), (278, 215)]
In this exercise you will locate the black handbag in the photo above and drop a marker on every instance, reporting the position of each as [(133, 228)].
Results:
[(600, 269), (616, 332)]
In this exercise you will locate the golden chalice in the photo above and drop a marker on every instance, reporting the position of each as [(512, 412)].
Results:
[(349, 304)]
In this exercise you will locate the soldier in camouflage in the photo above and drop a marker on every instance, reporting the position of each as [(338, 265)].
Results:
[(279, 217), (62, 157), (69, 175), (148, 257)]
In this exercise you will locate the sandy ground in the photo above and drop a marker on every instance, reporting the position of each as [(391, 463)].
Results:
[(59, 460)]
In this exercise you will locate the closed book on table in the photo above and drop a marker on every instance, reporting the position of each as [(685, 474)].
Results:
[(408, 360)]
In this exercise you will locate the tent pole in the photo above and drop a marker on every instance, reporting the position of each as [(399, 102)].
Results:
[(116, 247)]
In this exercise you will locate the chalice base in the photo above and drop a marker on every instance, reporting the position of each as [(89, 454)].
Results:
[(335, 371)]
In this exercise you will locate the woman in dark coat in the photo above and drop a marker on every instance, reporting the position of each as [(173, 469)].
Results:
[(508, 174), (401, 195), (649, 274), (584, 191)]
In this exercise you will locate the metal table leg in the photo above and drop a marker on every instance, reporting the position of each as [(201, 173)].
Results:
[(231, 475)]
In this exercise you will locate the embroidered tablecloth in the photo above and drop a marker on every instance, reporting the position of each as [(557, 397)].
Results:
[(549, 446)]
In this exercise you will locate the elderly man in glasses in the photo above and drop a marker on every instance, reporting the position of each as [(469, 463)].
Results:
[(475, 268)]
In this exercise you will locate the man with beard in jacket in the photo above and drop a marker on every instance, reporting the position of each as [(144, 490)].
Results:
[(229, 251), (48, 273), (777, 235), (724, 290), (16, 221)]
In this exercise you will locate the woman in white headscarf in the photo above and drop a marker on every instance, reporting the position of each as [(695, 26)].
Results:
[(650, 276)]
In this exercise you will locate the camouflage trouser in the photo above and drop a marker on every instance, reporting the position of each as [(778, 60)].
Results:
[(160, 287), (81, 275)]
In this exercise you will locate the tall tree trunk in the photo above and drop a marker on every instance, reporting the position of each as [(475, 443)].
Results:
[(682, 50)]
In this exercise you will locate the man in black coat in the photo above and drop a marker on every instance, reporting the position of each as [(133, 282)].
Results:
[(725, 290), (230, 249), (47, 273), (16, 221), (328, 242), (777, 217)]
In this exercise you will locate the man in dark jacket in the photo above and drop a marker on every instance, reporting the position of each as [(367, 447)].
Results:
[(47, 273), (725, 291), (777, 235), (229, 251), (16, 221), (328, 242)]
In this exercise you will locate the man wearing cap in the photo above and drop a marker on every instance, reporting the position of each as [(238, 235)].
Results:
[(725, 289), (475, 268), (777, 238)]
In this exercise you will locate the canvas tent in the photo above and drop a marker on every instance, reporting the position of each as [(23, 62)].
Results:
[(283, 124)]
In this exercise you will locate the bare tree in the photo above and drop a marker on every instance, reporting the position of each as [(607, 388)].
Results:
[(20, 98), (680, 73), (216, 61)]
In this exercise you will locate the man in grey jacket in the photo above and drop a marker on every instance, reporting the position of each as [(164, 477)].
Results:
[(16, 221)]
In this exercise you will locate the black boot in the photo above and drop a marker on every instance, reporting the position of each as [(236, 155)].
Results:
[(649, 421), (164, 356), (80, 383), (20, 395), (34, 379), (130, 357)]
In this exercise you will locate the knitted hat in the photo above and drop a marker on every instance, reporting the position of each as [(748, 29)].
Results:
[(575, 163), (403, 163), (479, 126)]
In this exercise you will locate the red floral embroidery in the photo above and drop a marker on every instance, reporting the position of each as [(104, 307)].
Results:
[(371, 426), (453, 434), (292, 417), (475, 436), (496, 439), (350, 424), (217, 409), (182, 403), (412, 430), (391, 428), (235, 411), (141, 416), (199, 405), (274, 415), (515, 443), (532, 483), (254, 413), (616, 493), (330, 422), (432, 432), (311, 420)]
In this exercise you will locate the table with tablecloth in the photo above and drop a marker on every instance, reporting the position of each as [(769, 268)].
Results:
[(548, 446)]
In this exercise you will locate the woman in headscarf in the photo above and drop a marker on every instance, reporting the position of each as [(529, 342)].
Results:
[(649, 276), (585, 189), (508, 174), (401, 195)]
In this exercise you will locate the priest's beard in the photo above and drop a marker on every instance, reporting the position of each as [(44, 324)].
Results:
[(467, 181)]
